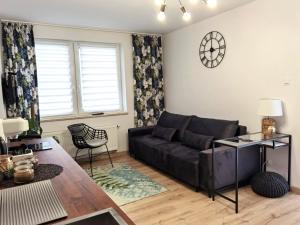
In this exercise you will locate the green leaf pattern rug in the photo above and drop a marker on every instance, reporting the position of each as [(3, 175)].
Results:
[(124, 184)]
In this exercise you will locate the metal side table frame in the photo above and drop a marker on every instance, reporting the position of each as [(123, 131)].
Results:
[(273, 141)]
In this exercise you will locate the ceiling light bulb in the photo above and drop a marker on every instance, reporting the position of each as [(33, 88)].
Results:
[(158, 2), (211, 3), (194, 1), (161, 16), (186, 16)]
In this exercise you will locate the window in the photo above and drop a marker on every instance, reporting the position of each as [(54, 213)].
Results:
[(77, 79), (54, 79), (99, 84)]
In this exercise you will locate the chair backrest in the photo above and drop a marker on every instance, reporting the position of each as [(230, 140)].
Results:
[(79, 131)]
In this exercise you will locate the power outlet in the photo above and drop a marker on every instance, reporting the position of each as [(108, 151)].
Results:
[(269, 162)]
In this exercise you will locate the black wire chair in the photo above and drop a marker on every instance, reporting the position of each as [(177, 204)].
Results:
[(86, 137)]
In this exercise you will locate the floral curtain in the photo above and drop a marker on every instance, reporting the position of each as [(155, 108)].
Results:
[(19, 79), (148, 79)]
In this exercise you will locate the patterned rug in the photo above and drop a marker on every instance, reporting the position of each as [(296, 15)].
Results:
[(124, 184)]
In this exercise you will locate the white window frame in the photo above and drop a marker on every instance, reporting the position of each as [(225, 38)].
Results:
[(72, 72), (76, 80), (78, 75)]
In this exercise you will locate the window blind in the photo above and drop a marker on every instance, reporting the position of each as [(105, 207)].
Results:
[(99, 78), (54, 79)]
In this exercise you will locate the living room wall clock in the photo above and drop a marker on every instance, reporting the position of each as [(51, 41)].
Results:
[(212, 49)]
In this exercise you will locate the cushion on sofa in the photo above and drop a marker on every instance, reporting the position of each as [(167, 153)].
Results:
[(149, 140), (213, 127), (197, 141), (171, 120), (164, 132)]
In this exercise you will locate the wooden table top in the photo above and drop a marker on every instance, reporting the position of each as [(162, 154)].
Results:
[(79, 194)]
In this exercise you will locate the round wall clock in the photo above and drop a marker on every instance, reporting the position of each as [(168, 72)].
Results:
[(212, 49)]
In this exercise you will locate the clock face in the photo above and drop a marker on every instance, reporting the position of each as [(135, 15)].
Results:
[(212, 49)]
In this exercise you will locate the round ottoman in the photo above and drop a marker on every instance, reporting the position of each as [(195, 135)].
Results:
[(269, 184)]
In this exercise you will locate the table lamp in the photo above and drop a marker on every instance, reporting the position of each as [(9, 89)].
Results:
[(269, 108), (13, 127)]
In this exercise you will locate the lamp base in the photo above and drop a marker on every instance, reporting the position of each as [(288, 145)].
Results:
[(268, 126)]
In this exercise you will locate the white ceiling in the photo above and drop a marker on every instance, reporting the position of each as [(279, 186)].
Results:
[(123, 15)]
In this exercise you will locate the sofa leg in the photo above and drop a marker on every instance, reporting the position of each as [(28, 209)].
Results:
[(197, 189)]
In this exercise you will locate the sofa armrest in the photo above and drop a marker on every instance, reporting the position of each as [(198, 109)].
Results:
[(242, 130), (249, 164), (133, 132), (136, 132)]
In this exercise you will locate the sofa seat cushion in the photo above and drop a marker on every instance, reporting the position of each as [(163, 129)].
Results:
[(183, 163), (145, 149), (171, 120), (219, 129)]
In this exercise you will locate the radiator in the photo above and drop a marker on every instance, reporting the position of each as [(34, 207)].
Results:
[(65, 140)]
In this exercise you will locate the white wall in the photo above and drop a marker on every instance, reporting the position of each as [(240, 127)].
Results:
[(262, 60), (124, 121)]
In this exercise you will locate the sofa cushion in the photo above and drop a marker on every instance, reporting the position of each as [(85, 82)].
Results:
[(197, 141), (163, 132), (149, 140), (171, 120), (219, 129), (183, 163), (145, 148)]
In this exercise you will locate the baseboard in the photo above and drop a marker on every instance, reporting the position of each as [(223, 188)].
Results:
[(295, 190)]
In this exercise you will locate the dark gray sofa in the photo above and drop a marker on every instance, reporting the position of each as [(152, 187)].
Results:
[(191, 165)]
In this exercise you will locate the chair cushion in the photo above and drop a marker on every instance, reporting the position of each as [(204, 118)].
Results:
[(219, 129), (94, 143), (164, 132), (269, 184), (197, 141), (171, 120)]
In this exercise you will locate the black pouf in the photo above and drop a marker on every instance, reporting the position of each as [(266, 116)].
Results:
[(269, 184)]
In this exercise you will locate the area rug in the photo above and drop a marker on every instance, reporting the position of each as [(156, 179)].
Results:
[(124, 184)]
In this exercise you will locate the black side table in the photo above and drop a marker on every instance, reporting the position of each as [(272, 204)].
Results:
[(274, 141)]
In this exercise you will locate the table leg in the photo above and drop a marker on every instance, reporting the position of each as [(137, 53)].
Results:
[(236, 180), (213, 172), (289, 163), (261, 158), (265, 159)]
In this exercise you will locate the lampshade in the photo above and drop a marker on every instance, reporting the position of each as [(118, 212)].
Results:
[(270, 107), (14, 126)]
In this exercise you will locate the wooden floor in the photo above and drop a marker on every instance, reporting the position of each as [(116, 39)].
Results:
[(181, 205)]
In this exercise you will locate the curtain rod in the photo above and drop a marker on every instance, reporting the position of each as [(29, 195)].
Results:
[(77, 27)]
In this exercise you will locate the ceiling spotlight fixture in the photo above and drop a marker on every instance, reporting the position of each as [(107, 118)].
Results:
[(186, 15), (161, 15)]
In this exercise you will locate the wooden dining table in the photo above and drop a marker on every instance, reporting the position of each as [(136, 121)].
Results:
[(78, 193)]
